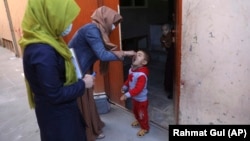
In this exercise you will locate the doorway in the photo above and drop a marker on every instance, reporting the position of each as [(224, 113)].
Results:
[(141, 29)]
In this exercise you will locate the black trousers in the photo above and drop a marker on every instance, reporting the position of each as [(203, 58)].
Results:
[(169, 72)]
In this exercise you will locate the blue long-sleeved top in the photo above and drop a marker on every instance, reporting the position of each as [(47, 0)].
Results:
[(55, 104), (89, 47), (45, 70)]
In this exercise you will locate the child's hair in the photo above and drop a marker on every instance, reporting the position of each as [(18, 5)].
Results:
[(147, 55)]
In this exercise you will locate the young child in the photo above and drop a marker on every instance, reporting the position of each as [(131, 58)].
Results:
[(166, 37), (136, 88), (167, 42)]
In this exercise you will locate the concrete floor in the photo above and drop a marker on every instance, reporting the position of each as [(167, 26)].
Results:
[(18, 122), (160, 107)]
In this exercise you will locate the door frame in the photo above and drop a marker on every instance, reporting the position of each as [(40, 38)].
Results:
[(113, 89), (178, 42)]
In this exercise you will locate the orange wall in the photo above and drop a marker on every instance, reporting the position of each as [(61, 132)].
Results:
[(4, 24), (16, 15), (5, 29)]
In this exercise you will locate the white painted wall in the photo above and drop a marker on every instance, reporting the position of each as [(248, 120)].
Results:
[(215, 67)]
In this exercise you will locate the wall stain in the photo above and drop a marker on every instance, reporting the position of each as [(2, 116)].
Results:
[(211, 35), (191, 48), (195, 39)]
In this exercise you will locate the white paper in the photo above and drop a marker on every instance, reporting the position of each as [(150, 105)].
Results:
[(76, 64)]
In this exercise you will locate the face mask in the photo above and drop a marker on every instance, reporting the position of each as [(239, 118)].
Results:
[(113, 27), (67, 30)]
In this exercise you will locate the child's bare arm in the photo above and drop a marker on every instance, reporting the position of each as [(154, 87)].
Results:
[(123, 97)]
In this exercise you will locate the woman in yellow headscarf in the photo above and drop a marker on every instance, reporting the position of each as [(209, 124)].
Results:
[(50, 77)]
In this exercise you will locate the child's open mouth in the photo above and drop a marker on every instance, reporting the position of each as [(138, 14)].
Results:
[(133, 59)]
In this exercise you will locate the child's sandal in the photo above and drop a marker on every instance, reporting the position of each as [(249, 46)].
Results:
[(142, 132), (135, 124)]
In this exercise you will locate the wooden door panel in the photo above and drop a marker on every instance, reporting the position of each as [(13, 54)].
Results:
[(114, 79), (87, 8)]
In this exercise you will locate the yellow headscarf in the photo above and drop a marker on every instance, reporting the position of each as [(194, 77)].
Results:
[(43, 22)]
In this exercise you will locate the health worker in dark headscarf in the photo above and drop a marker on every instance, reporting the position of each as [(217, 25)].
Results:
[(91, 43)]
